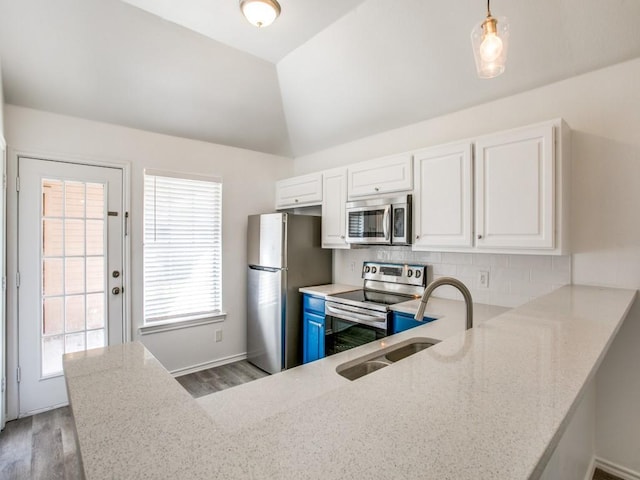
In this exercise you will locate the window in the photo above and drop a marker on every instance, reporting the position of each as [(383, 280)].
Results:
[(182, 247)]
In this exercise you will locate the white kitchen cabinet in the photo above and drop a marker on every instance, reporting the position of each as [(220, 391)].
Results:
[(334, 198), (521, 190), (443, 197), (302, 191), (380, 176)]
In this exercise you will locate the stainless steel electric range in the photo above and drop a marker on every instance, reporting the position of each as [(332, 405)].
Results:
[(362, 316)]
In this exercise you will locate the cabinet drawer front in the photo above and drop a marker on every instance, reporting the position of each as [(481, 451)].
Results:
[(314, 304), (382, 176)]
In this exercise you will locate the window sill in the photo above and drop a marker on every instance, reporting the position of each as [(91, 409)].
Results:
[(168, 325)]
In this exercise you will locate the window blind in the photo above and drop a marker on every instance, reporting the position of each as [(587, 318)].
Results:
[(182, 247)]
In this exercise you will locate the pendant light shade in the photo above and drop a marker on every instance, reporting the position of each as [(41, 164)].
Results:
[(490, 39), (260, 13)]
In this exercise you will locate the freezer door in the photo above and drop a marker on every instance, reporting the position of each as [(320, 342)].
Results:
[(266, 240), (265, 317)]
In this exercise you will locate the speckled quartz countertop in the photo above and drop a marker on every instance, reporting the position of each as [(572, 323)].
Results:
[(490, 402), (330, 289)]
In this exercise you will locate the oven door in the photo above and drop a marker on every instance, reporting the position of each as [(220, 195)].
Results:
[(369, 224), (348, 327)]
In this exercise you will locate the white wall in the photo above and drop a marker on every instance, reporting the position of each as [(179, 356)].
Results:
[(603, 110), (248, 187)]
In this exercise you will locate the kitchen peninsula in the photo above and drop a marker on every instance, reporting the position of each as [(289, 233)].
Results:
[(490, 402)]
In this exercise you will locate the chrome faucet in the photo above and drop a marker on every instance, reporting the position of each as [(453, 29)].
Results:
[(454, 282)]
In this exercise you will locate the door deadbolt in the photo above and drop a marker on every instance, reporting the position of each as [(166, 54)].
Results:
[(115, 290), (115, 274)]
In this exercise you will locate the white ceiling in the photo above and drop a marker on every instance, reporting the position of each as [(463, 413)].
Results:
[(221, 20), (375, 66)]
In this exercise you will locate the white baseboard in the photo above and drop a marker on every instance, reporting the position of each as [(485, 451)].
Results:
[(614, 469), (204, 366), (591, 470)]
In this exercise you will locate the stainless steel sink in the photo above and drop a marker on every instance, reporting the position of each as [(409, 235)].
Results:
[(371, 362), (410, 349), (362, 369)]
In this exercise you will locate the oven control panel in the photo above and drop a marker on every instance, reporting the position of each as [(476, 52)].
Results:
[(402, 273)]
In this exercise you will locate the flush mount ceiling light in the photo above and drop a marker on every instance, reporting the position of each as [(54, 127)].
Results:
[(260, 13), (489, 40)]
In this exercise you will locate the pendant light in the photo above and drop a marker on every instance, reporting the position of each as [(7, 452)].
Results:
[(489, 40), (260, 13)]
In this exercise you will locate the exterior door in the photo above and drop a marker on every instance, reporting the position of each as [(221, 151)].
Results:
[(70, 261)]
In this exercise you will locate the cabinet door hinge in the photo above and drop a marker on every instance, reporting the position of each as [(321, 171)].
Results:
[(4, 283), (4, 384), (18, 279), (126, 224), (17, 184), (18, 374)]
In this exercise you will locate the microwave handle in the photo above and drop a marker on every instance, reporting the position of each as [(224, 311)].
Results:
[(386, 223)]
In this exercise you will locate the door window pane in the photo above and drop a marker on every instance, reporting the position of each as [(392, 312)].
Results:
[(74, 275), (95, 339), (53, 315), (74, 342), (52, 198), (95, 237), (95, 200), (74, 313), (74, 199), (95, 310), (52, 276), (52, 237), (73, 237), (95, 274)]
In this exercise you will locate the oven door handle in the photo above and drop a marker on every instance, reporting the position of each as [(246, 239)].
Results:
[(348, 314)]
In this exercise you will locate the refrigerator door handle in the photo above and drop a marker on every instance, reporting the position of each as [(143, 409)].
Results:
[(265, 269)]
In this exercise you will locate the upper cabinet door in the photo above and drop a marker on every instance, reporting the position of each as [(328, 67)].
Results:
[(380, 176), (302, 191), (443, 197), (515, 178), (334, 198)]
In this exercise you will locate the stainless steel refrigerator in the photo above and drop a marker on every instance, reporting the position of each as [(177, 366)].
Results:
[(284, 254)]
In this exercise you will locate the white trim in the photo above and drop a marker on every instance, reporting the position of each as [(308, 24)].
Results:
[(11, 170), (41, 410), (591, 469), (187, 176), (169, 325), (203, 366), (615, 469)]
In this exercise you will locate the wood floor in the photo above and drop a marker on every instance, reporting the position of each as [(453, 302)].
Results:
[(220, 378), (43, 447)]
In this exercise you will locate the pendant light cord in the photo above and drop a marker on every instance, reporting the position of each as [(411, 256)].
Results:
[(488, 8)]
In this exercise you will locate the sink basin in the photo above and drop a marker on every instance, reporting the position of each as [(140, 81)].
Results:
[(371, 362), (409, 349), (362, 369)]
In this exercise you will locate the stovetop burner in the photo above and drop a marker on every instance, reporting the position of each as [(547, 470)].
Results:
[(372, 297)]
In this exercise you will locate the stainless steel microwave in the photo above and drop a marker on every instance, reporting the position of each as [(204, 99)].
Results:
[(379, 221)]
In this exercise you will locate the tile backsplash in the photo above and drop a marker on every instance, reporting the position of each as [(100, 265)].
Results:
[(513, 279)]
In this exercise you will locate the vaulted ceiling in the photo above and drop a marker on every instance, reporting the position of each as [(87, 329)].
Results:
[(325, 73)]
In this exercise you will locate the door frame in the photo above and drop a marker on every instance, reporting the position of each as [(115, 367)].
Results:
[(13, 153)]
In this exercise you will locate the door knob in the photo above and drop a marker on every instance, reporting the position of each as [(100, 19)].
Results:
[(115, 274), (479, 237), (115, 290)]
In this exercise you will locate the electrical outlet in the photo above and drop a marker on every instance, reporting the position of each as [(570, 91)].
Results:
[(218, 335), (483, 279)]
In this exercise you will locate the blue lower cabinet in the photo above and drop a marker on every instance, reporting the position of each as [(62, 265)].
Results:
[(312, 328), (404, 321)]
